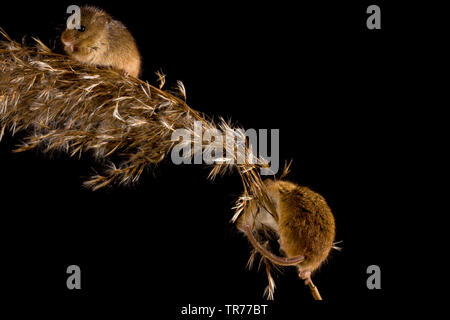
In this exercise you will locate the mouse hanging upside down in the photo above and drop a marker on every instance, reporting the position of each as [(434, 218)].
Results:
[(303, 226)]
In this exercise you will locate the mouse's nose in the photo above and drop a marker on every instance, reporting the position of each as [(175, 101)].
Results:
[(68, 45)]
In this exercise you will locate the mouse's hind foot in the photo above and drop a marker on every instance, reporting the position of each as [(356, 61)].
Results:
[(305, 275)]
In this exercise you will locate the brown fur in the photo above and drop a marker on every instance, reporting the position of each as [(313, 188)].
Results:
[(305, 222), (104, 42), (304, 226)]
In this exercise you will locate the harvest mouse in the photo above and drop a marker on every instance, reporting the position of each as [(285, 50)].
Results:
[(102, 41), (304, 225)]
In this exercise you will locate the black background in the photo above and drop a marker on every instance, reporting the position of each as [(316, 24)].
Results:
[(332, 87)]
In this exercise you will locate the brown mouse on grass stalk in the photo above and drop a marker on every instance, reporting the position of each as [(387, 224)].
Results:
[(102, 41), (304, 227)]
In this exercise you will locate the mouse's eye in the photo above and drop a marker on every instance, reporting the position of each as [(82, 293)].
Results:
[(82, 28)]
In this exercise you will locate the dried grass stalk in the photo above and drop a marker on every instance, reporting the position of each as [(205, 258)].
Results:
[(314, 291), (125, 123)]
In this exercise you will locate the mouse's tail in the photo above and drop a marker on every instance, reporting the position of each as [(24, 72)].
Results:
[(281, 261)]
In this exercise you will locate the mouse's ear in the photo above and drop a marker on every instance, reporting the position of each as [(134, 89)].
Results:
[(102, 20)]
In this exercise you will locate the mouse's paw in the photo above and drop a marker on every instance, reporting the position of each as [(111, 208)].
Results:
[(125, 73), (305, 275)]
